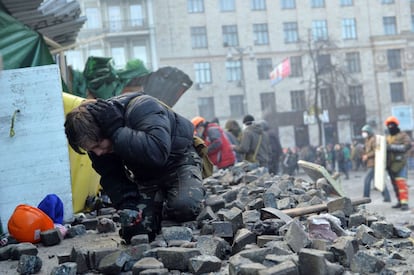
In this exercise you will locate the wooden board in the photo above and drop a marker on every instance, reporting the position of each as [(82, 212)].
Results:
[(380, 162), (34, 151), (315, 172)]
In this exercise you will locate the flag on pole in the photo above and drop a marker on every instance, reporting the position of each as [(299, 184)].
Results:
[(280, 72)]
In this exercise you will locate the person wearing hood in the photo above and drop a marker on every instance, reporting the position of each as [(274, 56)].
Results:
[(398, 144), (254, 144)]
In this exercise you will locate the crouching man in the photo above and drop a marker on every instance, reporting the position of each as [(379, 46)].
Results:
[(144, 153)]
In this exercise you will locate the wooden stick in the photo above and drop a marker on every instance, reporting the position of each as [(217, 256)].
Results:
[(269, 212)]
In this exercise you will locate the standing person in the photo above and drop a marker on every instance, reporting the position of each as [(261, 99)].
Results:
[(341, 160), (369, 158), (254, 145), (145, 156), (219, 147), (275, 152), (233, 132), (398, 144)]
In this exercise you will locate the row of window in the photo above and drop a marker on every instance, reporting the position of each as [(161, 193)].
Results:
[(290, 30), (206, 106), (234, 68), (197, 6)]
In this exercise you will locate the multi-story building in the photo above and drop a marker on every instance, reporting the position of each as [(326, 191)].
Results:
[(123, 30), (355, 57)]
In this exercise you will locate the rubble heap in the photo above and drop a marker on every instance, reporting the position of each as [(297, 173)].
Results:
[(252, 223)]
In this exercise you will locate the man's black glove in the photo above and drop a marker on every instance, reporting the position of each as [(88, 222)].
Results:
[(108, 114)]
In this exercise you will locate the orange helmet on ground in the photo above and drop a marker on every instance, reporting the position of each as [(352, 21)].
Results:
[(197, 120), (27, 222), (392, 119)]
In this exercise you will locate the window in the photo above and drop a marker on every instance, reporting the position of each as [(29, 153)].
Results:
[(317, 3), (326, 98), (268, 102), (118, 55), (94, 18), (198, 37), (115, 20), (257, 5), (202, 72), (319, 30), (230, 35), (390, 25), (136, 15), (290, 30), (261, 34), (264, 67), (227, 5), (297, 99), (412, 23), (140, 51), (233, 70), (353, 63), (206, 107), (237, 106), (345, 3), (296, 66), (397, 92), (324, 63), (387, 1), (356, 95), (96, 52), (349, 28), (195, 6), (394, 59), (287, 4)]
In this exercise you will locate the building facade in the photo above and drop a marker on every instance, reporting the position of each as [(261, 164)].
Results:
[(123, 30), (352, 61)]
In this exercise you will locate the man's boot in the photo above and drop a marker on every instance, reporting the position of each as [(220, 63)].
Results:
[(398, 205), (404, 207)]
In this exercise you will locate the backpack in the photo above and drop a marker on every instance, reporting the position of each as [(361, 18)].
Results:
[(201, 148)]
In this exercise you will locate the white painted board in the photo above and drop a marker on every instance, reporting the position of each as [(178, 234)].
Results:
[(35, 161), (380, 162)]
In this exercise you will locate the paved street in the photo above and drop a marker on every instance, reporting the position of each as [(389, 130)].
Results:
[(354, 190)]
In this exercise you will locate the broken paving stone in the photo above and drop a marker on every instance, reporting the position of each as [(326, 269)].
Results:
[(113, 263), (23, 249), (206, 214), (65, 269), (222, 229), (284, 268), (105, 225), (213, 246), (204, 264), (177, 257), (241, 239), (356, 219), (233, 215), (175, 233), (139, 239), (344, 249), (146, 263), (251, 268), (80, 257), (367, 262), (76, 230), (155, 271), (29, 264), (96, 255), (312, 261), (402, 231), (365, 235), (296, 237), (268, 227), (215, 202), (51, 237), (343, 203), (382, 229)]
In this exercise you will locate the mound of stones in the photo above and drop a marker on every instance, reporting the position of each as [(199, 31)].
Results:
[(237, 234)]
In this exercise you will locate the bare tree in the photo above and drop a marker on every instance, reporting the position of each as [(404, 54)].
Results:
[(325, 76)]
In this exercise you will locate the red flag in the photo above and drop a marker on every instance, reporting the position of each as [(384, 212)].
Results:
[(280, 72)]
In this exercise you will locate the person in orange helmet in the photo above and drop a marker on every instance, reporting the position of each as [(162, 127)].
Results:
[(398, 144), (219, 147)]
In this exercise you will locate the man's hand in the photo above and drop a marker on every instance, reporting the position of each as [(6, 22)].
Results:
[(108, 114)]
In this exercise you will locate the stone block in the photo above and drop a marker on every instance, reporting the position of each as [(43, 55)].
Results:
[(285, 268), (51, 237), (145, 264), (242, 238), (23, 249), (177, 257), (343, 203), (296, 237), (204, 264)]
